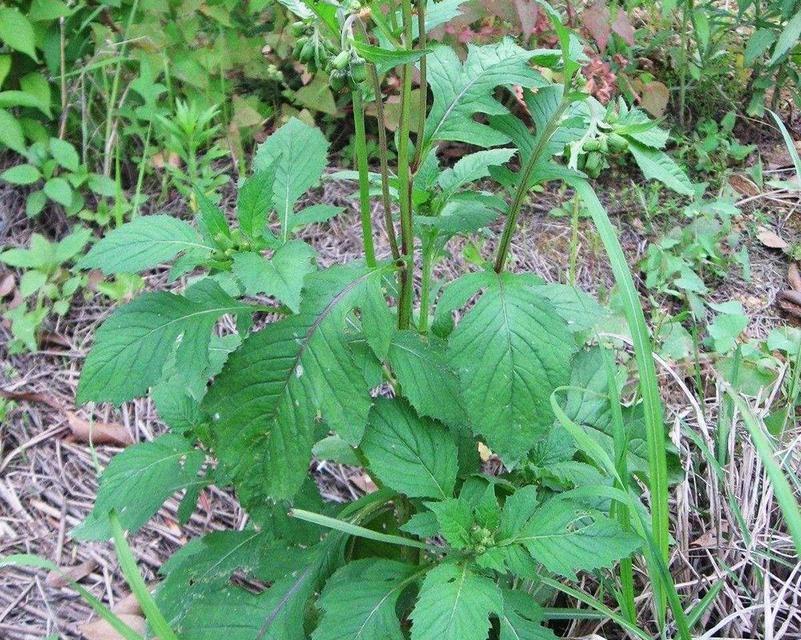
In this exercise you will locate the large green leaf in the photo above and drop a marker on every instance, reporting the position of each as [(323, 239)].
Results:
[(413, 455), (281, 276), (359, 601), (565, 538), (276, 387), (455, 604), (17, 31), (462, 90), (511, 350), (420, 366), (142, 244), (132, 346), (297, 155), (138, 480)]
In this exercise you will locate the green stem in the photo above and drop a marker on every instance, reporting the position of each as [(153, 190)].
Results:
[(423, 106), (383, 152), (405, 179), (429, 249), (523, 186), (364, 178)]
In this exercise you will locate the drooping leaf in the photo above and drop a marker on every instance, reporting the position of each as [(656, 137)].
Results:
[(511, 350), (657, 165), (359, 601), (455, 604), (273, 390), (410, 454), (521, 618), (431, 386), (11, 134), (297, 153), (281, 276), (132, 346), (462, 90), (138, 480), (460, 216), (142, 244)]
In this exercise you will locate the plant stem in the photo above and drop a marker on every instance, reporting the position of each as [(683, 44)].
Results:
[(522, 188), (383, 152), (364, 178), (421, 115), (429, 249), (405, 180), (574, 222)]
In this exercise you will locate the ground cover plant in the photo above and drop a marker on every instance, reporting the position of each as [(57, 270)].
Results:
[(513, 429)]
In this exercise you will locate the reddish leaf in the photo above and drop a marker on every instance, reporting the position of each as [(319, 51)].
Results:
[(596, 20), (622, 27)]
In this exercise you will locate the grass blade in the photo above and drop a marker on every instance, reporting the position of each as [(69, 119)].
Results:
[(155, 619)]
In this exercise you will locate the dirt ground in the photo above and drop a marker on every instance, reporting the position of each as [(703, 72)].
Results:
[(48, 477)]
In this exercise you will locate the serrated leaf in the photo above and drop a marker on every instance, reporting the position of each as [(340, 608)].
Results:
[(298, 155), (211, 220), (17, 32), (511, 351), (206, 564), (359, 601), (636, 125), (455, 604), (430, 385), (758, 43), (133, 344), (455, 519), (410, 454), (254, 201), (472, 167), (565, 539), (281, 276), (521, 618), (143, 244), (267, 400), (138, 480), (657, 165), (462, 90), (579, 310)]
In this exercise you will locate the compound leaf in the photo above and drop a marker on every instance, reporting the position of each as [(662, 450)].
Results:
[(276, 387), (462, 90)]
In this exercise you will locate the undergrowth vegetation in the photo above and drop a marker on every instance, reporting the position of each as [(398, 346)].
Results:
[(517, 441)]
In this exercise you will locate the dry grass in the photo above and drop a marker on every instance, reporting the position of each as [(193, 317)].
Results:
[(47, 480)]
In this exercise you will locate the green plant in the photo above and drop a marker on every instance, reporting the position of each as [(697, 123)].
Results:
[(56, 172), (359, 371), (688, 256), (47, 284), (714, 148)]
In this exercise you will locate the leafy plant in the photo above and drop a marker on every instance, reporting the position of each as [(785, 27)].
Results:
[(47, 284), (358, 370)]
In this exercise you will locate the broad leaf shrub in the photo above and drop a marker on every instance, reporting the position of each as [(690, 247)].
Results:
[(443, 548)]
